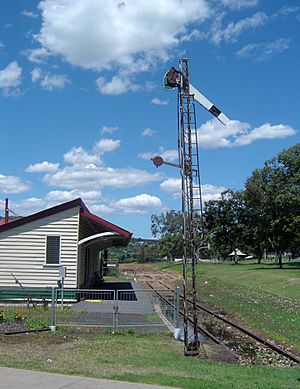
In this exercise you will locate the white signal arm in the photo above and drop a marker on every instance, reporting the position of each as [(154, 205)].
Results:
[(209, 105)]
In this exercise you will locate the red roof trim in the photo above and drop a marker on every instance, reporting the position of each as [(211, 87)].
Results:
[(106, 224), (63, 207), (40, 215)]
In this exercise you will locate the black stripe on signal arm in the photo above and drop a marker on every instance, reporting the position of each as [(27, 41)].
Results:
[(215, 111)]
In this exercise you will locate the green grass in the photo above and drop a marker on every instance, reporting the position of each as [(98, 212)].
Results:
[(262, 297), (155, 359)]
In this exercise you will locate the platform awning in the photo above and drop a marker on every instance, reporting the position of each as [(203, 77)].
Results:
[(105, 240)]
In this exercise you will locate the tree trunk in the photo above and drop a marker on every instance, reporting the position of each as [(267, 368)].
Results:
[(280, 260)]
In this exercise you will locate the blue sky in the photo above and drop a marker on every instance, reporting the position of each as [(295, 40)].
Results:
[(82, 108)]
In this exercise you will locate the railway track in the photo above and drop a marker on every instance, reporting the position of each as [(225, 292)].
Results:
[(151, 281)]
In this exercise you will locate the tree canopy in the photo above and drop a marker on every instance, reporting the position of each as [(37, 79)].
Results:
[(265, 215)]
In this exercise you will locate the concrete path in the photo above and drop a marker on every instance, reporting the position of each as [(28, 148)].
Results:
[(28, 379)]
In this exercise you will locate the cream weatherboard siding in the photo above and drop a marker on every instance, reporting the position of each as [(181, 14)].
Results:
[(23, 251)]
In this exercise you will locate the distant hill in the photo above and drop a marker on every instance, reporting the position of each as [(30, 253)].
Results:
[(138, 250)]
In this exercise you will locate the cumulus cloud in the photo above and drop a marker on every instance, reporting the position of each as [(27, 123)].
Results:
[(108, 130), (259, 52), (10, 78), (106, 145), (213, 134), (170, 155), (37, 56), (36, 74), (172, 186), (116, 86), (138, 204), (28, 206), (79, 156), (233, 30), (85, 169), (49, 81), (29, 14), (157, 101), (42, 167), (100, 35), (59, 196), (92, 176), (13, 184), (148, 132), (54, 81)]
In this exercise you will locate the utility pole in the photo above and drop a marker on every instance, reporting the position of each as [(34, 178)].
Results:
[(6, 212)]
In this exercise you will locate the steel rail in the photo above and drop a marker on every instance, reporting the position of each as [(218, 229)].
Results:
[(200, 328), (244, 330)]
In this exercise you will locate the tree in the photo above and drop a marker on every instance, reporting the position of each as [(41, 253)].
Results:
[(273, 197), (169, 227), (226, 221)]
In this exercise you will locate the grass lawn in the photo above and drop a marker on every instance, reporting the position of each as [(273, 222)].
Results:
[(148, 358), (262, 297)]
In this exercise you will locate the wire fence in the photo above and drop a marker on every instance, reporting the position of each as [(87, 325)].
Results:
[(89, 307)]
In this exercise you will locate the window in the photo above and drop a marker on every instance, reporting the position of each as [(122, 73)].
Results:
[(53, 250)]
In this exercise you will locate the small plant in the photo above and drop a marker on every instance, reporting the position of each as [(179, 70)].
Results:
[(19, 316), (131, 331), (2, 316)]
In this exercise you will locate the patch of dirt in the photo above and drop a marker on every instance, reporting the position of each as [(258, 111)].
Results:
[(12, 326)]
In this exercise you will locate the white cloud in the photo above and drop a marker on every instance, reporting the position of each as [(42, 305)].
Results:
[(29, 14), (60, 196), (116, 86), (37, 55), (79, 156), (36, 74), (170, 155), (157, 101), (233, 30), (2, 45), (103, 34), (138, 204), (96, 177), (211, 192), (13, 184), (285, 11), (54, 81), (102, 209), (259, 52), (28, 206), (108, 130), (266, 131), (148, 132), (42, 167), (238, 4), (213, 134), (10, 78), (172, 186), (106, 145)]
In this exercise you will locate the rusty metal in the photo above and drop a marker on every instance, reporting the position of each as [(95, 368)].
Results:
[(191, 206), (242, 329)]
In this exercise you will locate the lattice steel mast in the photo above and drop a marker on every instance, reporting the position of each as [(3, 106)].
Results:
[(191, 189), (191, 206)]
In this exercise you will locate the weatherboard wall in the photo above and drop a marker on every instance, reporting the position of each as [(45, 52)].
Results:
[(23, 251)]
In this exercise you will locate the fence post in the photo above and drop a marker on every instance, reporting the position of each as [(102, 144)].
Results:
[(177, 330), (53, 310), (115, 310)]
